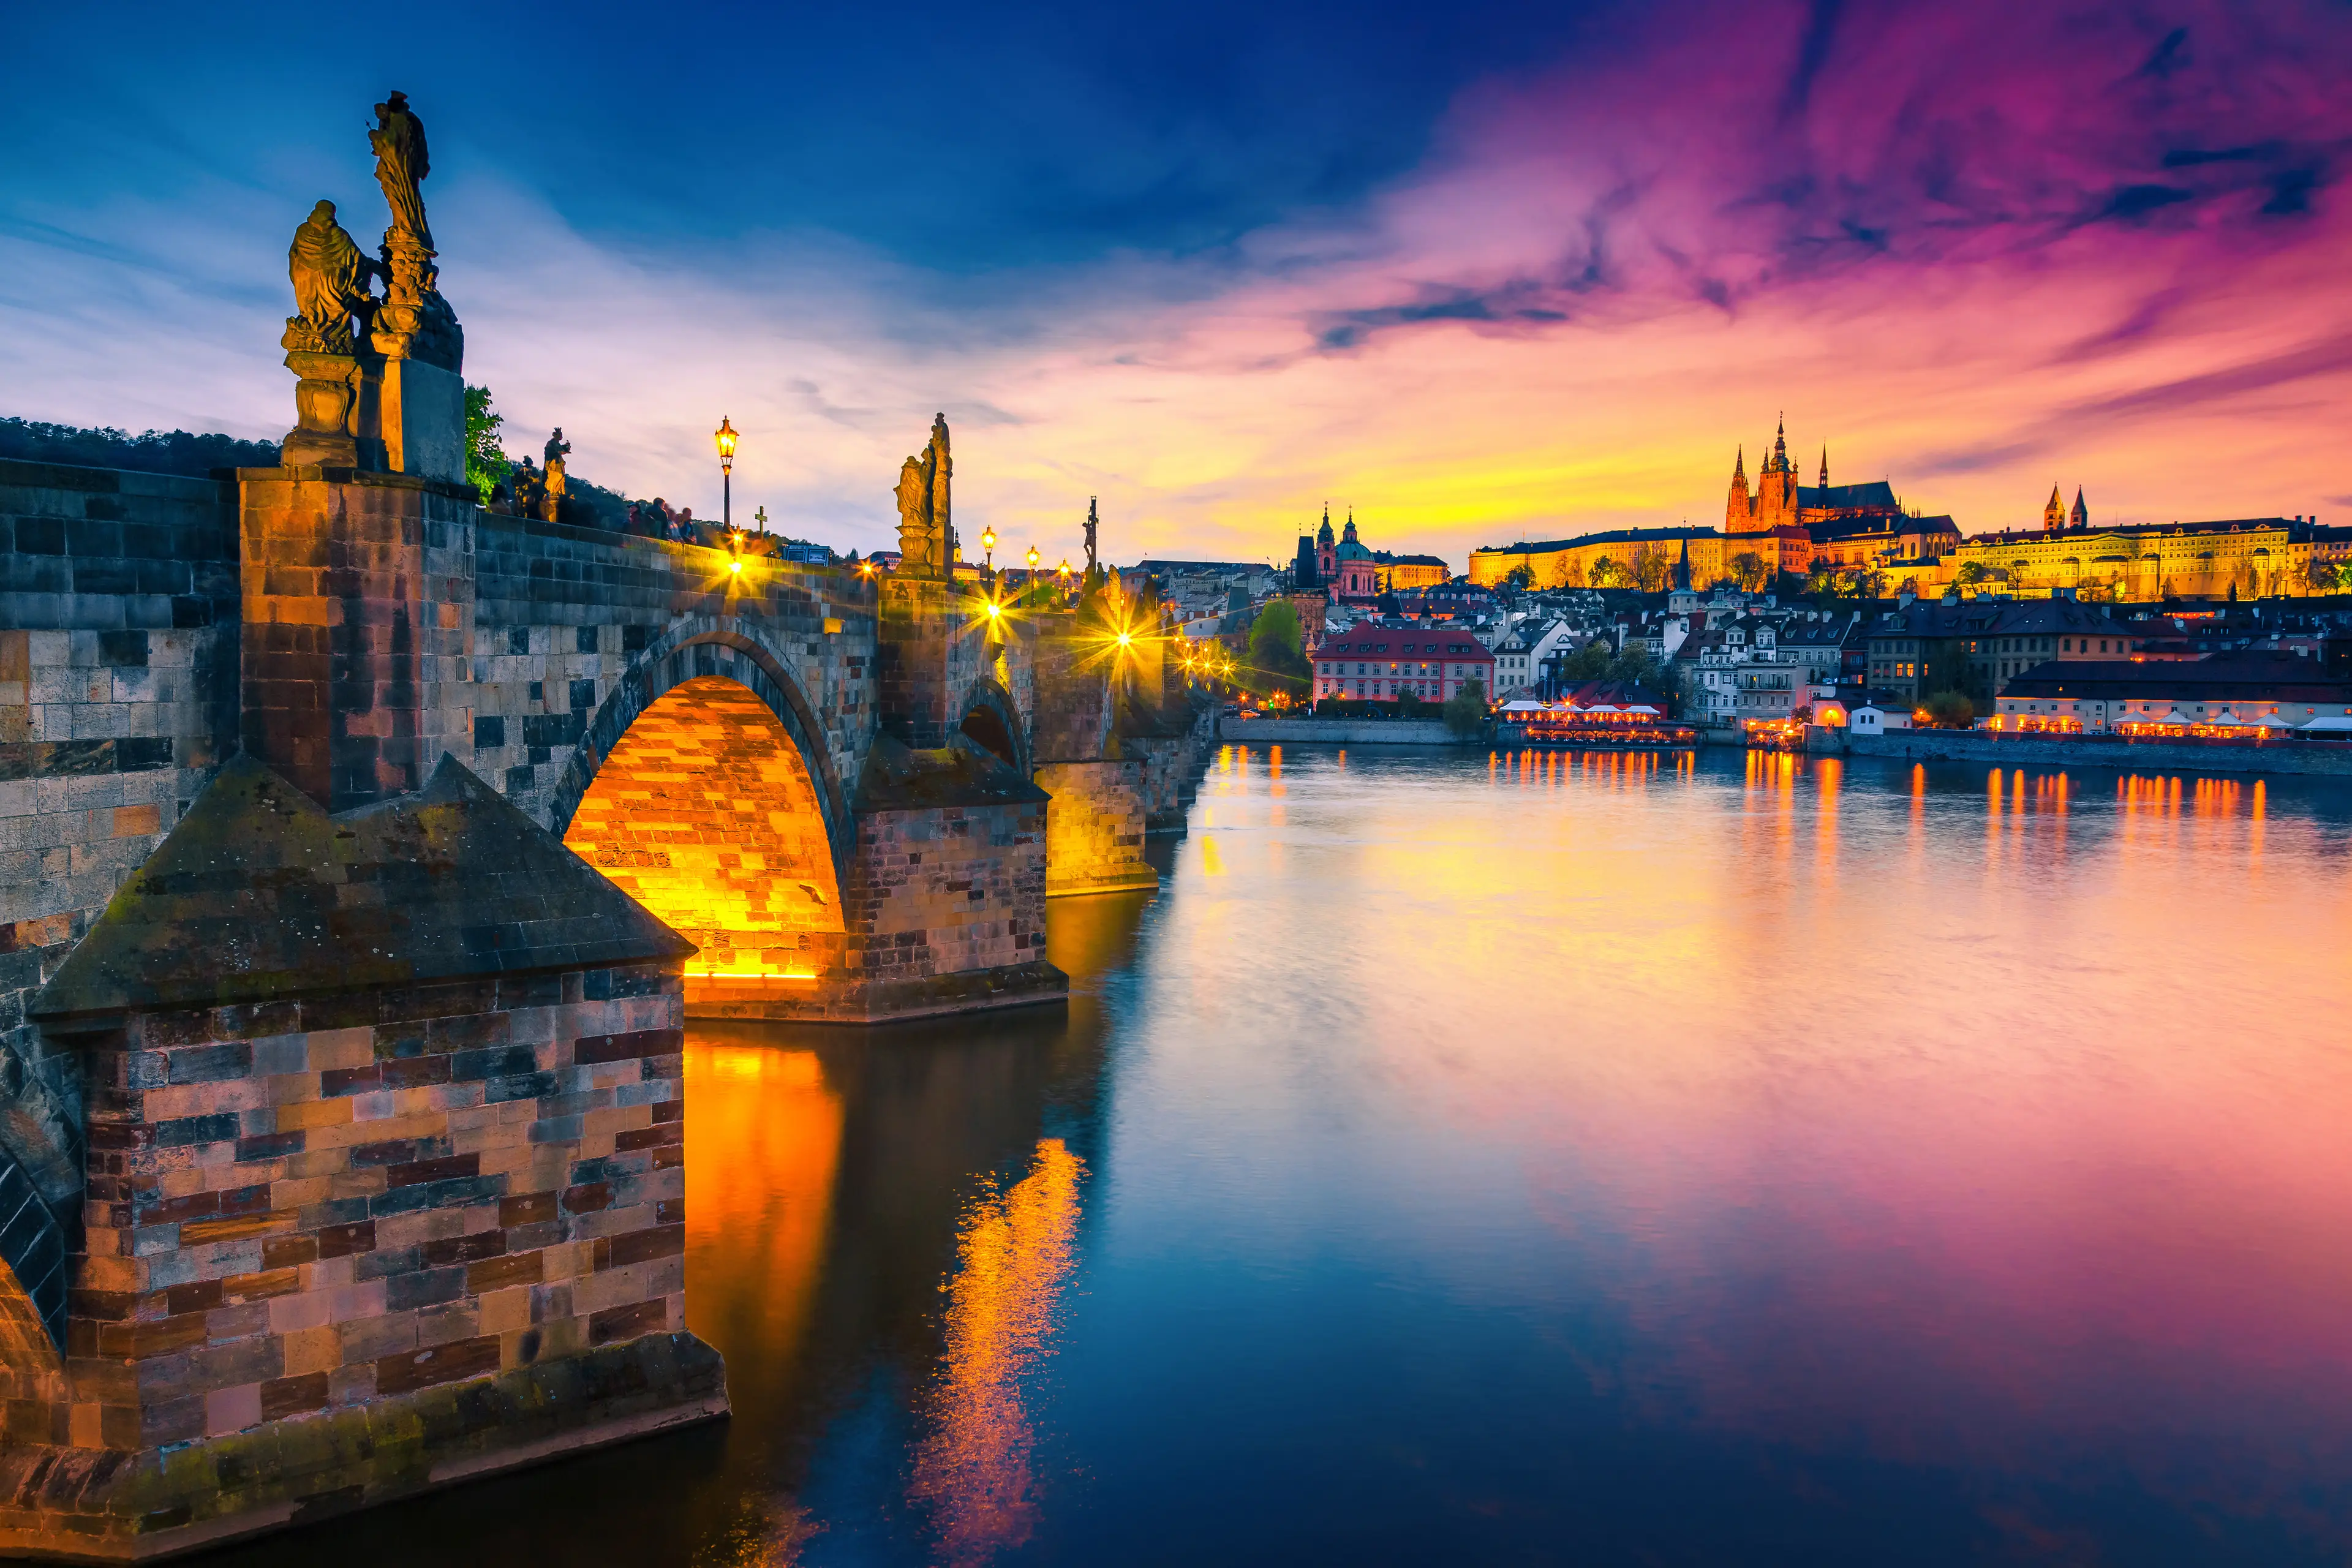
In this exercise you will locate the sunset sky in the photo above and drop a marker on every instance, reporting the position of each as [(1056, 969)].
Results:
[(1484, 272)]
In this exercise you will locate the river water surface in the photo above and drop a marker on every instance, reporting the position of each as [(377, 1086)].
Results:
[(1556, 1159)]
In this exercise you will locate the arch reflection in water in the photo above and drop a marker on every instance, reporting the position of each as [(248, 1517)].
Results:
[(972, 1473)]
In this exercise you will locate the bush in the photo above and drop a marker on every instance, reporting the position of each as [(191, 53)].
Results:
[(1951, 710), (1465, 710)]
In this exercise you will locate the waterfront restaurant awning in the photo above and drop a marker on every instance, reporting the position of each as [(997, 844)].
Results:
[(2326, 724), (1521, 705), (2270, 722)]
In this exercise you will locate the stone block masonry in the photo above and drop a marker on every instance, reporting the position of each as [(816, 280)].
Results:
[(294, 1207), (117, 696), (1094, 828), (358, 610), (383, 1190)]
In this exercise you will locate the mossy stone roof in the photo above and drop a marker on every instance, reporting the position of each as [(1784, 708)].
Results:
[(258, 894)]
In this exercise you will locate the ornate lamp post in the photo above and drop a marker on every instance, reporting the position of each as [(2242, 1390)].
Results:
[(988, 552), (724, 436)]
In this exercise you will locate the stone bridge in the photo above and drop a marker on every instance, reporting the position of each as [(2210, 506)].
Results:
[(339, 1117)]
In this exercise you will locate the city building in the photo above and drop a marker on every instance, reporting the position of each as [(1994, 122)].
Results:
[(1519, 656), (1975, 647), (2241, 691), (1381, 661), (1877, 718), (1350, 569), (2262, 557)]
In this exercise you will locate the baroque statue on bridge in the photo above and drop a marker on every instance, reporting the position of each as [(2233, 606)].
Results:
[(551, 500), (415, 321), (401, 166), (330, 274), (926, 526)]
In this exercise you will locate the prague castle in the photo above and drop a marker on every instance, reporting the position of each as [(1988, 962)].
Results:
[(1780, 525)]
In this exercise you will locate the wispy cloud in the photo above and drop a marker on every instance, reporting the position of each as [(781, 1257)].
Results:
[(1976, 249)]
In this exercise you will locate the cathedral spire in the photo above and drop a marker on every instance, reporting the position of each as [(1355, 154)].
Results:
[(2082, 514), (1825, 465), (2053, 515), (1739, 464), (1781, 447)]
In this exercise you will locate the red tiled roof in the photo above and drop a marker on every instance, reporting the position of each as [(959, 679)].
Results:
[(1406, 642)]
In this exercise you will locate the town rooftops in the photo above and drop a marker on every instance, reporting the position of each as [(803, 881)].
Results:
[(1404, 642), (1876, 495), (2246, 675), (1994, 617)]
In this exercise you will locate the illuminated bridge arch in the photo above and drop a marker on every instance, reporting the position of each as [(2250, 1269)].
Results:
[(699, 788)]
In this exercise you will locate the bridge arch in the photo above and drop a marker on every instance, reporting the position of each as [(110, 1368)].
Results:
[(992, 720), (699, 789)]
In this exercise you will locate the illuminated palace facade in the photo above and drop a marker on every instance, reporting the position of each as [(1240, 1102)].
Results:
[(1774, 525), (2259, 557)]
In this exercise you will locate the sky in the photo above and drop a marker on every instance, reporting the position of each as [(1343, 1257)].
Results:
[(1480, 272)]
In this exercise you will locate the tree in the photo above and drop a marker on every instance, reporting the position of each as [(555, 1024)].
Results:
[(154, 452), (1650, 568), (1571, 572), (1276, 659), (1748, 570), (487, 463), (1465, 710), (1950, 710), (1606, 573), (1970, 574), (1522, 577)]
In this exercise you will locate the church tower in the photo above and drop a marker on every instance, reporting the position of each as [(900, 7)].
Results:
[(2054, 516), (1739, 511), (1349, 536), (1326, 561), (2081, 516), (1776, 490), (1825, 468)]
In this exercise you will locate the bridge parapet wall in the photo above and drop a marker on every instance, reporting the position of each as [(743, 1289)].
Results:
[(117, 696), (564, 615)]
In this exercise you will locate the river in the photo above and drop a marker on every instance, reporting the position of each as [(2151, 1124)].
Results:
[(1569, 1158)]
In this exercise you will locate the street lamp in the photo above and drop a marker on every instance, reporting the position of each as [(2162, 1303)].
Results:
[(988, 551), (725, 436)]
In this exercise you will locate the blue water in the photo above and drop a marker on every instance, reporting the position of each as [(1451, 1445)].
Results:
[(1567, 1158)]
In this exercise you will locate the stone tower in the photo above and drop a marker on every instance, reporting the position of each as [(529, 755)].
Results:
[(1739, 509), (2053, 515), (2081, 516)]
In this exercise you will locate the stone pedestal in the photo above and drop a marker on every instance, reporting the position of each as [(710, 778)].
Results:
[(415, 412), (327, 399), (385, 1175), (358, 626)]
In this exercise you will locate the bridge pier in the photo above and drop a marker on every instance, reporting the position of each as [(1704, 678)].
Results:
[(391, 1198), (328, 1176)]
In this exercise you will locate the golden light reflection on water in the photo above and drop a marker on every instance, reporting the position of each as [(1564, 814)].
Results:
[(974, 1472), (757, 1108)]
